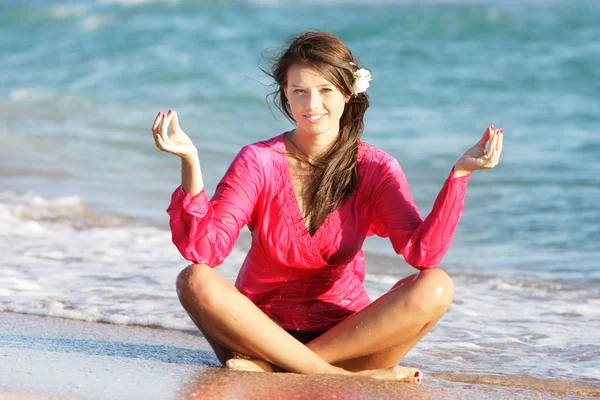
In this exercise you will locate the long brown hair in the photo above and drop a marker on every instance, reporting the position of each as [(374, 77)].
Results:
[(334, 175)]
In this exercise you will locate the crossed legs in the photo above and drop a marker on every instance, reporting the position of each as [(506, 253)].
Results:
[(371, 342)]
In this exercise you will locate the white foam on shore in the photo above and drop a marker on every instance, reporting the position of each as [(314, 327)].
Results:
[(529, 325), (64, 260), (61, 259)]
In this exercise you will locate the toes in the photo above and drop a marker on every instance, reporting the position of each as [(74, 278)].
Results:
[(417, 375), (410, 375), (231, 363), (240, 364)]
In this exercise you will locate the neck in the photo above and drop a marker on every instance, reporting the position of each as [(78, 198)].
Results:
[(310, 145)]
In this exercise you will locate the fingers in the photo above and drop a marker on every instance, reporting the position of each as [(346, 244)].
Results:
[(493, 142), (156, 128), (160, 143), (161, 124), (499, 145), (164, 129), (498, 148), (160, 129), (156, 121), (495, 149), (174, 122), (487, 135)]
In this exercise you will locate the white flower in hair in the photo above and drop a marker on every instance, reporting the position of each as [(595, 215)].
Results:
[(360, 81)]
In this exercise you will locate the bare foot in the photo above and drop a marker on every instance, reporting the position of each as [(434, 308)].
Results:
[(403, 374), (252, 364)]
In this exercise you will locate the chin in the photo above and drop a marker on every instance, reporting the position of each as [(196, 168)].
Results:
[(316, 130)]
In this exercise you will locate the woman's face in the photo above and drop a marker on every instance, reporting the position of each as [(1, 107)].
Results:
[(316, 104)]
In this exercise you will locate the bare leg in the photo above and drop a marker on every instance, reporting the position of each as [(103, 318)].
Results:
[(226, 316), (379, 342), (382, 334)]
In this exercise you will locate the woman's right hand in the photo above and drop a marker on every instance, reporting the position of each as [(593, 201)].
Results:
[(177, 142)]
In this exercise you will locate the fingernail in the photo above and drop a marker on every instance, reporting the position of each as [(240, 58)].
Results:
[(418, 380), (417, 374), (502, 130), (158, 114), (169, 112), (492, 126)]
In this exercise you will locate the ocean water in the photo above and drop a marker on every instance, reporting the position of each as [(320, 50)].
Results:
[(83, 190)]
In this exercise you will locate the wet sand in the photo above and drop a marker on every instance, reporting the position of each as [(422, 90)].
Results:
[(52, 358)]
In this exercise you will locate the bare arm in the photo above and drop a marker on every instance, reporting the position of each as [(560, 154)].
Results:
[(181, 145)]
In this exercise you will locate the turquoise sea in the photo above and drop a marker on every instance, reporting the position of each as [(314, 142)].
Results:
[(83, 190)]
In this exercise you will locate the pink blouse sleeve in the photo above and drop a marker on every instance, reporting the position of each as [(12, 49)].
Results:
[(205, 231), (423, 243)]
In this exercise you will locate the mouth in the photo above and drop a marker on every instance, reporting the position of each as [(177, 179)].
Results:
[(313, 118)]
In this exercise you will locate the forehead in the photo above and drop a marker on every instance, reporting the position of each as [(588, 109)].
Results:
[(303, 75)]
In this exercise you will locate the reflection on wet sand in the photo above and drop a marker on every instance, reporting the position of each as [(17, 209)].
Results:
[(221, 383)]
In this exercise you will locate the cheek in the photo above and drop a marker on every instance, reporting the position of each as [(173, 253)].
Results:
[(297, 110), (338, 105), (295, 106)]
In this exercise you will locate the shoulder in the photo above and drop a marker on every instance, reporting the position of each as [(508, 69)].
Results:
[(379, 172), (258, 162), (373, 160), (261, 151)]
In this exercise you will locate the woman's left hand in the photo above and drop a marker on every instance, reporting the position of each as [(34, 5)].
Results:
[(477, 157)]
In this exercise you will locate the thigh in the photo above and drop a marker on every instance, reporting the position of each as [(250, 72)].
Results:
[(385, 359), (380, 335)]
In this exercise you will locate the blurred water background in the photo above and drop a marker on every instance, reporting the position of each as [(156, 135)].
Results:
[(83, 190)]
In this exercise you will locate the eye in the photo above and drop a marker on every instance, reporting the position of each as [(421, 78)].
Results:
[(326, 89), (299, 91)]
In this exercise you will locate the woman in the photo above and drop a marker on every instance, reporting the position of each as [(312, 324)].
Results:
[(310, 196)]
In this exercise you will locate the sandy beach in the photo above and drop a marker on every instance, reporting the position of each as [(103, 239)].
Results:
[(52, 358), (84, 235)]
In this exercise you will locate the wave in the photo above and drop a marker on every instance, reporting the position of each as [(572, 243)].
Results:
[(589, 387), (67, 211), (73, 11), (63, 259), (133, 3)]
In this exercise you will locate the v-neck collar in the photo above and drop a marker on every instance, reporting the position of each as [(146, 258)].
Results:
[(293, 214)]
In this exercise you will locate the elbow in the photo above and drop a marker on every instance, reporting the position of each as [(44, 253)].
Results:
[(422, 260)]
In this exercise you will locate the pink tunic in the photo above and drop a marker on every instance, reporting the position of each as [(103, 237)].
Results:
[(304, 282)]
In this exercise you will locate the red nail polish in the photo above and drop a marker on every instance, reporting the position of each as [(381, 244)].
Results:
[(418, 380), (158, 114), (169, 112), (417, 374)]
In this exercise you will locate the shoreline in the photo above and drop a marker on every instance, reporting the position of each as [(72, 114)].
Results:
[(48, 357)]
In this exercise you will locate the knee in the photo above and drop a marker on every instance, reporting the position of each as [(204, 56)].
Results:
[(433, 292), (195, 283)]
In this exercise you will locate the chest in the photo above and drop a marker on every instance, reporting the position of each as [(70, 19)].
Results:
[(299, 179), (283, 229)]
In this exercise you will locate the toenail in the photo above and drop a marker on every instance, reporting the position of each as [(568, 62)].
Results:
[(417, 374), (418, 380)]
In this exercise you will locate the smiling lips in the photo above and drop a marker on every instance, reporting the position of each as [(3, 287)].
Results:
[(314, 117)]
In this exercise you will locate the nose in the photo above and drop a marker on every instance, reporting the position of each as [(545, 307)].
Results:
[(314, 101)]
